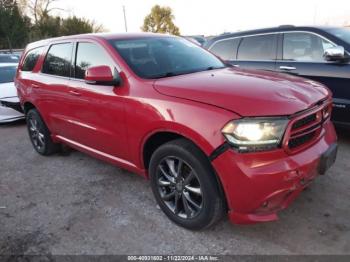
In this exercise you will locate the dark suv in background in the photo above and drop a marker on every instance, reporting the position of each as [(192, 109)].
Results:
[(317, 53)]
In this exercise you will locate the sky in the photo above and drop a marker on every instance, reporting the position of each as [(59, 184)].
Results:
[(211, 17)]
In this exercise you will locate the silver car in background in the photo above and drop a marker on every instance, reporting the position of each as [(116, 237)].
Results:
[(10, 109)]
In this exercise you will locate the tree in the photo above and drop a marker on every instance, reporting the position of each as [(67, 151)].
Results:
[(74, 25), (45, 25), (23, 21), (13, 26), (39, 9), (160, 20)]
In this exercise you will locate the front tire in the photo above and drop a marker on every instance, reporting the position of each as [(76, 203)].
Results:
[(39, 134), (184, 185)]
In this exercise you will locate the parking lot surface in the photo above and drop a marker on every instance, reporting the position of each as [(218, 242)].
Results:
[(75, 204)]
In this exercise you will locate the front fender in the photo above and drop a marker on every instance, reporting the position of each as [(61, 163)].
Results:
[(199, 123)]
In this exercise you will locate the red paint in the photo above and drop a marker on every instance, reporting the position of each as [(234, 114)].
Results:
[(114, 123), (99, 74)]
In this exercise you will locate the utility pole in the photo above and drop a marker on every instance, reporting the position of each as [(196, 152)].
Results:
[(126, 27)]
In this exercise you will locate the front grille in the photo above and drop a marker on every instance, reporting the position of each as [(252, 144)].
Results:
[(306, 128), (304, 121), (301, 140)]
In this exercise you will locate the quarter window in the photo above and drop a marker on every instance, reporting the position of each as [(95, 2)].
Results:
[(258, 48), (31, 59), (304, 47), (226, 49), (58, 60), (89, 55)]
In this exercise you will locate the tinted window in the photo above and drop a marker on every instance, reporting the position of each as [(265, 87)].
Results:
[(9, 59), (165, 56), (226, 49), (7, 74), (89, 55), (304, 47), (58, 60), (31, 59), (261, 47)]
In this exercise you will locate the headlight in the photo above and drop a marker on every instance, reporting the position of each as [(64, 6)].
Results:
[(255, 134)]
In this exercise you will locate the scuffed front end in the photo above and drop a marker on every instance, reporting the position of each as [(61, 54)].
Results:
[(258, 185)]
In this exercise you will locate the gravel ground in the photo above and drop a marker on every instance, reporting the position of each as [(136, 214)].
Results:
[(78, 205)]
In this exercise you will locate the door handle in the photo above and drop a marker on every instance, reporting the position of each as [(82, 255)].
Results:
[(288, 68), (74, 93), (235, 65)]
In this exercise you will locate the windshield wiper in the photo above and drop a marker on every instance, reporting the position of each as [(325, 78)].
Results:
[(169, 74), (213, 68)]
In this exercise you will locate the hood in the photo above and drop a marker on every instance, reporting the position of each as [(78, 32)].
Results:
[(246, 92), (8, 92)]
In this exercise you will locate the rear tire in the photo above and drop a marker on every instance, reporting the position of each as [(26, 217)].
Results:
[(184, 185), (39, 134)]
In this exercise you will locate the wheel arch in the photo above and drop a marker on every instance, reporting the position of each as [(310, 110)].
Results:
[(27, 106), (157, 138)]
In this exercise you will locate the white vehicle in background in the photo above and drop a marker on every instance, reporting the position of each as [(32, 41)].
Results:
[(9, 58), (10, 109)]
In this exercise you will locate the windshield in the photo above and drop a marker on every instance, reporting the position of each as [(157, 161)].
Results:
[(7, 74), (342, 33), (165, 56)]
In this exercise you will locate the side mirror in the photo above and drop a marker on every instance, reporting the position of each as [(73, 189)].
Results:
[(102, 75), (335, 53)]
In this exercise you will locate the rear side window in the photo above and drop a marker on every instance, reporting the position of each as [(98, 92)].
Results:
[(58, 60), (226, 49), (89, 55), (31, 59), (258, 48)]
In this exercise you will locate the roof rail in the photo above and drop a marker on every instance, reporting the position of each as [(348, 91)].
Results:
[(286, 26)]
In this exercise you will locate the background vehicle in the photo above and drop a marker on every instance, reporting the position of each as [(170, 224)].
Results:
[(10, 108), (9, 58), (197, 38), (317, 53), (208, 136)]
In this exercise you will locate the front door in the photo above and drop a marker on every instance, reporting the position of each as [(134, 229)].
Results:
[(302, 55), (97, 111)]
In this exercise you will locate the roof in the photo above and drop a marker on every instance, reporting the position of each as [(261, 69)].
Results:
[(106, 36), (282, 28)]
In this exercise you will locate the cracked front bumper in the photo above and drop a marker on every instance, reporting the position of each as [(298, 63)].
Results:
[(258, 185)]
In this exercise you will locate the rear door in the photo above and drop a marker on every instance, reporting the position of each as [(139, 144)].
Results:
[(302, 55), (51, 87), (257, 52)]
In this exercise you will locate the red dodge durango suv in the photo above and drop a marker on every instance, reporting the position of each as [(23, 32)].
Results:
[(211, 138)]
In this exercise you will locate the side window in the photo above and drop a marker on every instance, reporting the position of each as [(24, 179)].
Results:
[(304, 47), (58, 60), (258, 48), (88, 55), (226, 49), (31, 59)]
